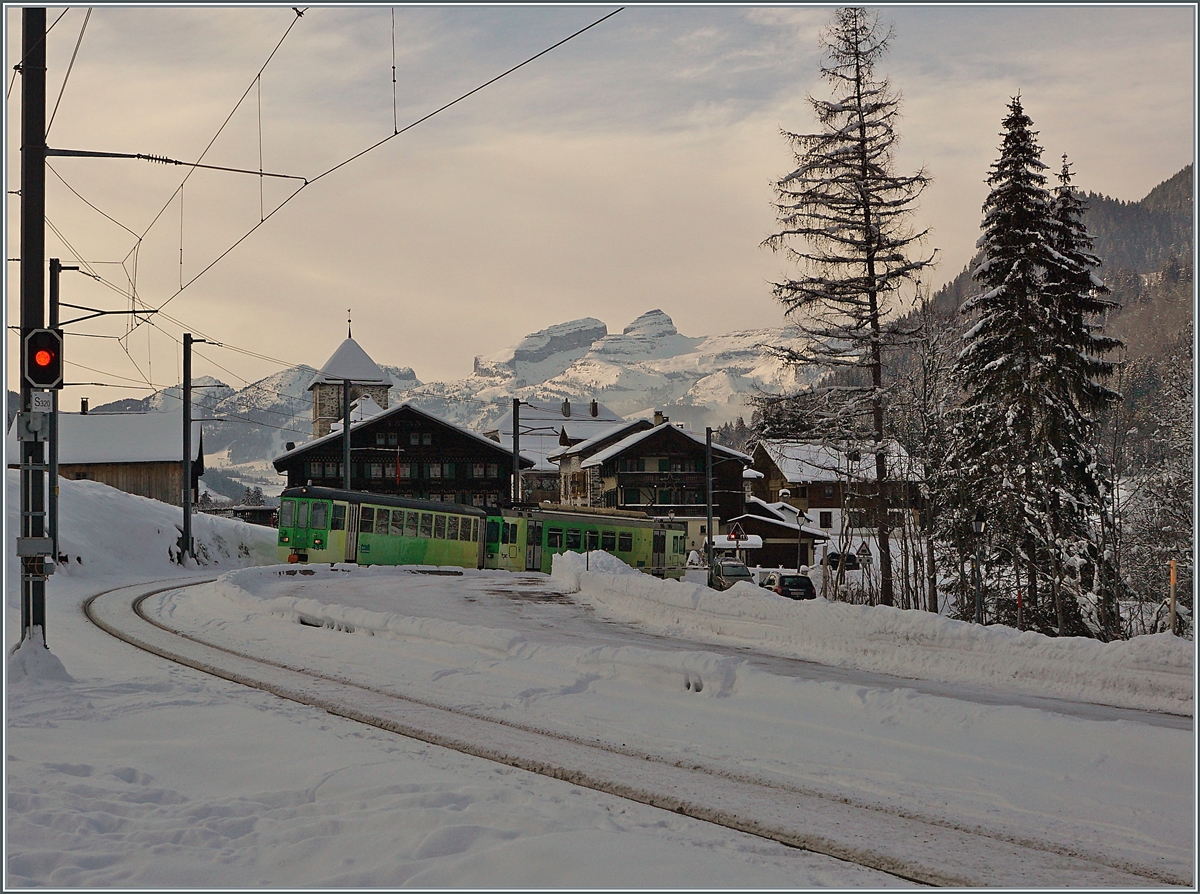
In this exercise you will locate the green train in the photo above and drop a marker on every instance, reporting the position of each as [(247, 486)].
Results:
[(323, 524)]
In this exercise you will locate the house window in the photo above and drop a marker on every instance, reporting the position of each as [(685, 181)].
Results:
[(447, 470), (433, 470), (376, 470), (827, 520), (389, 471), (426, 439), (664, 464), (380, 438), (493, 471), (829, 490), (476, 499), (406, 470), (492, 500), (414, 438), (393, 439), (478, 470)]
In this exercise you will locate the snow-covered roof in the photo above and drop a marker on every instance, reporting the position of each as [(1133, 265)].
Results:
[(391, 411), (625, 443), (803, 462), (351, 362), (117, 438), (542, 427), (613, 428), (751, 474), (782, 514), (750, 541)]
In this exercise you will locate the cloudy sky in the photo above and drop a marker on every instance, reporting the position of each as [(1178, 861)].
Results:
[(629, 169)]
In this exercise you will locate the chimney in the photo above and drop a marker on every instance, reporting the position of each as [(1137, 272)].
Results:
[(659, 418), (83, 406), (566, 408), (594, 408)]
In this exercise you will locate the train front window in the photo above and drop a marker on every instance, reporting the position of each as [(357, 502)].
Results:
[(493, 531), (366, 520), (320, 516), (338, 520), (302, 515), (287, 513)]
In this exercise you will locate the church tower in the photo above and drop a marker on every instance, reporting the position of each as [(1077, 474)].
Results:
[(351, 362)]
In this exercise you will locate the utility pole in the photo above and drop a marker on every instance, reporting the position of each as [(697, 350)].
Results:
[(346, 434), (31, 551), (516, 475), (708, 464)]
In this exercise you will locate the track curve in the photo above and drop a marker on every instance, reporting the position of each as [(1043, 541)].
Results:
[(919, 849)]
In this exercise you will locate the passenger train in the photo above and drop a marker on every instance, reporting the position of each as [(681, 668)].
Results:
[(324, 524)]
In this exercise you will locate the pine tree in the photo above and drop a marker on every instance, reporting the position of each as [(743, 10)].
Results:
[(845, 220), (1031, 367)]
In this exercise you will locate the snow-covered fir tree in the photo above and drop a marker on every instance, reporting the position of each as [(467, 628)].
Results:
[(1031, 367), (844, 214)]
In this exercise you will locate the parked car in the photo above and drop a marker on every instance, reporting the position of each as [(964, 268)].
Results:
[(791, 585), (851, 561), (728, 572)]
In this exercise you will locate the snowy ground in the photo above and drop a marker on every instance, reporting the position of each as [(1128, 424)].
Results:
[(126, 770)]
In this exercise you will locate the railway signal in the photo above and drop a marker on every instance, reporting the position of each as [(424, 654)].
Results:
[(43, 358)]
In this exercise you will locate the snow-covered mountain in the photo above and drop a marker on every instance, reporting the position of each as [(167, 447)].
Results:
[(648, 366)]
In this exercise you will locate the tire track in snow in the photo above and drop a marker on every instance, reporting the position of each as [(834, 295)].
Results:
[(909, 846)]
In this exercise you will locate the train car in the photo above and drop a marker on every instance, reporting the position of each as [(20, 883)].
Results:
[(324, 524), (528, 539)]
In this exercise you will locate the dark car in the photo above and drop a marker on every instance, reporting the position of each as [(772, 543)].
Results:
[(726, 573), (851, 561), (793, 586)]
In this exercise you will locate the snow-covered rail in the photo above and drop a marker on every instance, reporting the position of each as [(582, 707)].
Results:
[(905, 844)]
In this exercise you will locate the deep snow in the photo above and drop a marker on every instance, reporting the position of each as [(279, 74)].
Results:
[(125, 770)]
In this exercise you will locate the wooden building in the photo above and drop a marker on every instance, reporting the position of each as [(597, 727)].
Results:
[(409, 452), (139, 453), (788, 538), (655, 468)]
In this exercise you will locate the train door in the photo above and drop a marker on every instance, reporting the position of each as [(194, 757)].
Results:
[(352, 532), (658, 558), (533, 545)]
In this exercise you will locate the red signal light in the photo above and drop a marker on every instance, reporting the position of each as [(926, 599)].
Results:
[(43, 358)]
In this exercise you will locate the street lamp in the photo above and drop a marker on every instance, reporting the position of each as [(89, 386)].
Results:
[(978, 525)]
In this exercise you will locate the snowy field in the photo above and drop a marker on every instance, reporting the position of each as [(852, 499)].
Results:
[(125, 770)]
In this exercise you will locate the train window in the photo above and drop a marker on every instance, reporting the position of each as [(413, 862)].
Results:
[(464, 532), (608, 540), (574, 539), (439, 527), (320, 516), (301, 514), (337, 521), (366, 520), (397, 528), (677, 544), (383, 518), (593, 540), (452, 527), (410, 524), (426, 525), (554, 538), (493, 531), (625, 542), (287, 513)]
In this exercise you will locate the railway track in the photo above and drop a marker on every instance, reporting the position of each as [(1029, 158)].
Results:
[(920, 849)]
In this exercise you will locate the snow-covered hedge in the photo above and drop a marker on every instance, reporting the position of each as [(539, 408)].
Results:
[(1148, 672)]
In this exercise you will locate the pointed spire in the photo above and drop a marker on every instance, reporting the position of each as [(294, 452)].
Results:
[(349, 334)]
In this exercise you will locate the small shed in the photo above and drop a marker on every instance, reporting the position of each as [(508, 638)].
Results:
[(139, 453)]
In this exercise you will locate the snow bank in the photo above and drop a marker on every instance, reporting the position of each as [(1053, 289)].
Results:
[(1149, 672), (104, 532), (31, 663), (695, 671)]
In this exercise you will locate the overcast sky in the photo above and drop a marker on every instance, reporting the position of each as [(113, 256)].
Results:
[(629, 169)]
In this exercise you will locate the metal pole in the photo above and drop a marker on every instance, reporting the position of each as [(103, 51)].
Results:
[(708, 464), (33, 297), (185, 544), (346, 433), (1172, 597), (52, 495), (978, 582), (516, 475)]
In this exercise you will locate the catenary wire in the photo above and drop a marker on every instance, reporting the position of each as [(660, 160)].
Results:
[(70, 66)]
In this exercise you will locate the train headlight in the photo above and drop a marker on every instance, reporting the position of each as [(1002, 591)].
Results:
[(283, 538)]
